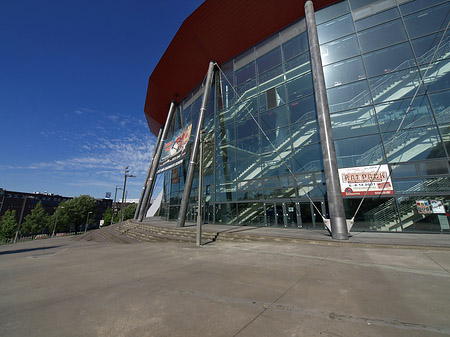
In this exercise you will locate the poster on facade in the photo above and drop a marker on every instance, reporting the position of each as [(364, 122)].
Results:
[(437, 206), (356, 180), (423, 206), (174, 149)]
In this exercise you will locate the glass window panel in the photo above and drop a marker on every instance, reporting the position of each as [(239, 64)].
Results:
[(248, 168), (396, 85), (247, 128), (307, 159), (382, 35), (269, 60), (413, 144), (344, 72), (437, 76), (245, 73), (356, 122), (300, 87), (272, 165), (247, 90), (247, 146), (430, 168), (359, 151), (295, 46), (355, 4), (336, 28), (403, 170), (226, 172), (445, 133), (274, 118), (391, 114), (279, 95), (389, 59), (331, 12), (425, 48), (427, 21), (349, 96), (245, 110), (278, 140), (416, 5), (441, 106), (305, 133), (297, 66), (225, 213), (339, 49), (271, 74), (377, 19), (302, 110)]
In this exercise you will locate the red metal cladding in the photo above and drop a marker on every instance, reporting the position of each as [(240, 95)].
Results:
[(218, 30)]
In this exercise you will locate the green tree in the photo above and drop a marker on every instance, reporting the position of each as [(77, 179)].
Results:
[(74, 214), (107, 217), (128, 212), (8, 225), (36, 222)]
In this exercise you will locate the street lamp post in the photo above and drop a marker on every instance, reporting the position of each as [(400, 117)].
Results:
[(87, 222), (123, 193), (56, 219), (114, 204)]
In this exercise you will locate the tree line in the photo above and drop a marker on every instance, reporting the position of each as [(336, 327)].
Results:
[(69, 216)]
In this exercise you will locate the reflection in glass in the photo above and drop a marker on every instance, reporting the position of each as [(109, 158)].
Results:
[(377, 19), (382, 35), (413, 144), (390, 114), (349, 96), (339, 49), (335, 28), (396, 85), (352, 123), (359, 151), (427, 21), (389, 59), (344, 72)]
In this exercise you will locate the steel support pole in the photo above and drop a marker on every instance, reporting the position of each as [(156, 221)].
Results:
[(154, 168), (139, 205), (195, 149), (200, 192), (335, 202)]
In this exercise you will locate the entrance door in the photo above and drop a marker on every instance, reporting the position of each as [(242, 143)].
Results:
[(279, 214), (318, 221), (291, 214), (270, 214), (306, 215)]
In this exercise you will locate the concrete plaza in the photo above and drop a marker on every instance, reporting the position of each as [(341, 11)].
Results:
[(61, 287)]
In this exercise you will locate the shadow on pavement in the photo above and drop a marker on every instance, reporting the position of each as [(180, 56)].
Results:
[(16, 251)]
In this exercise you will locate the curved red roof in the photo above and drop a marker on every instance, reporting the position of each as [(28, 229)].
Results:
[(218, 30)]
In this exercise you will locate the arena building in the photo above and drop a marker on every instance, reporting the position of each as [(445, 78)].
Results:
[(311, 111)]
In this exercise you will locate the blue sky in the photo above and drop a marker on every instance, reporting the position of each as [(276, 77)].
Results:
[(73, 80)]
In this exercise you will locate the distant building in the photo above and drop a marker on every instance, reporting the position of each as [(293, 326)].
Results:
[(18, 201)]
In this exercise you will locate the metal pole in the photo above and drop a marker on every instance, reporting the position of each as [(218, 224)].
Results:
[(114, 204), (87, 222), (154, 168), (195, 148), (139, 205), (335, 202), (123, 197), (20, 219), (200, 192), (56, 220)]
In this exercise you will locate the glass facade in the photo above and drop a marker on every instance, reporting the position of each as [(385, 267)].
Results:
[(385, 66)]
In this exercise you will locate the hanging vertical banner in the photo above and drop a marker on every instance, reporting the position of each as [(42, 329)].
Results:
[(174, 149), (356, 180)]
